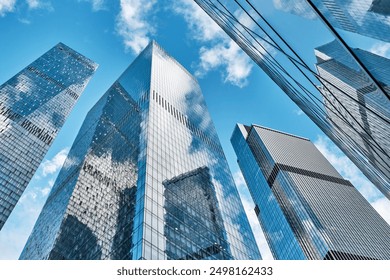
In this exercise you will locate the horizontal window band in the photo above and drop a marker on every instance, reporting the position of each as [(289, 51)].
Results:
[(284, 167)]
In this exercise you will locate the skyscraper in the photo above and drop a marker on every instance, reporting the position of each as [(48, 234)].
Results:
[(272, 45), (357, 109), (366, 17), (33, 107), (306, 209), (146, 177)]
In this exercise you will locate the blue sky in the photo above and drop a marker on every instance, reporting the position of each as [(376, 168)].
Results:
[(112, 33)]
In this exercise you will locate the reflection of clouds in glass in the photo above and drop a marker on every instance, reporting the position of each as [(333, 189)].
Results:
[(296, 7), (381, 49), (360, 13)]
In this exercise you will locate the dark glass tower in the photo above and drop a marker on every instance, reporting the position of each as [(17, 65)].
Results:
[(146, 177), (361, 111), (306, 209), (34, 105)]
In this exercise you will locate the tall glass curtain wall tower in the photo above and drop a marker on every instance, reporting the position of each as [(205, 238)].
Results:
[(350, 107), (369, 116), (306, 209), (366, 17), (33, 107), (146, 177)]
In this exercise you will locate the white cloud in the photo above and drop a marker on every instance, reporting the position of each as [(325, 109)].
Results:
[(219, 51), (296, 7), (132, 24), (17, 229), (346, 168), (39, 4), (203, 28), (45, 191), (382, 205), (230, 57), (6, 6), (239, 179), (97, 5), (299, 112), (382, 49), (33, 4), (253, 221), (53, 165)]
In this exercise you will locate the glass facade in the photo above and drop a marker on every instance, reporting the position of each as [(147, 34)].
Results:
[(306, 209), (361, 110), (146, 177), (33, 107), (366, 17), (343, 89)]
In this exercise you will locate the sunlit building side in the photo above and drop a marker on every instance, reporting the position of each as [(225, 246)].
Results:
[(306, 209), (34, 105), (146, 177)]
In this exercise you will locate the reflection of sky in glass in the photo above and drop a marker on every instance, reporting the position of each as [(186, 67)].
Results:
[(91, 205), (366, 17), (151, 126), (33, 107), (281, 37)]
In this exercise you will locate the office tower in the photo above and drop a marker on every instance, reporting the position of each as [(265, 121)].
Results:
[(146, 177), (252, 26), (366, 17), (34, 105), (306, 209), (357, 110)]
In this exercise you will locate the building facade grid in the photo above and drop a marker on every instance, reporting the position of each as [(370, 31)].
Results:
[(33, 107), (171, 136), (322, 215)]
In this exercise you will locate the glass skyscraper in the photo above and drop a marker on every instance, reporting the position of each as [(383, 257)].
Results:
[(146, 177), (33, 107), (306, 209), (357, 110), (348, 101), (366, 17)]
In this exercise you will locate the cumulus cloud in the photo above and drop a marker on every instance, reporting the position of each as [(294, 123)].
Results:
[(350, 172), (38, 4), (296, 7), (132, 23), (235, 64), (382, 205), (6, 6), (382, 49), (253, 221), (218, 50), (53, 165)]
